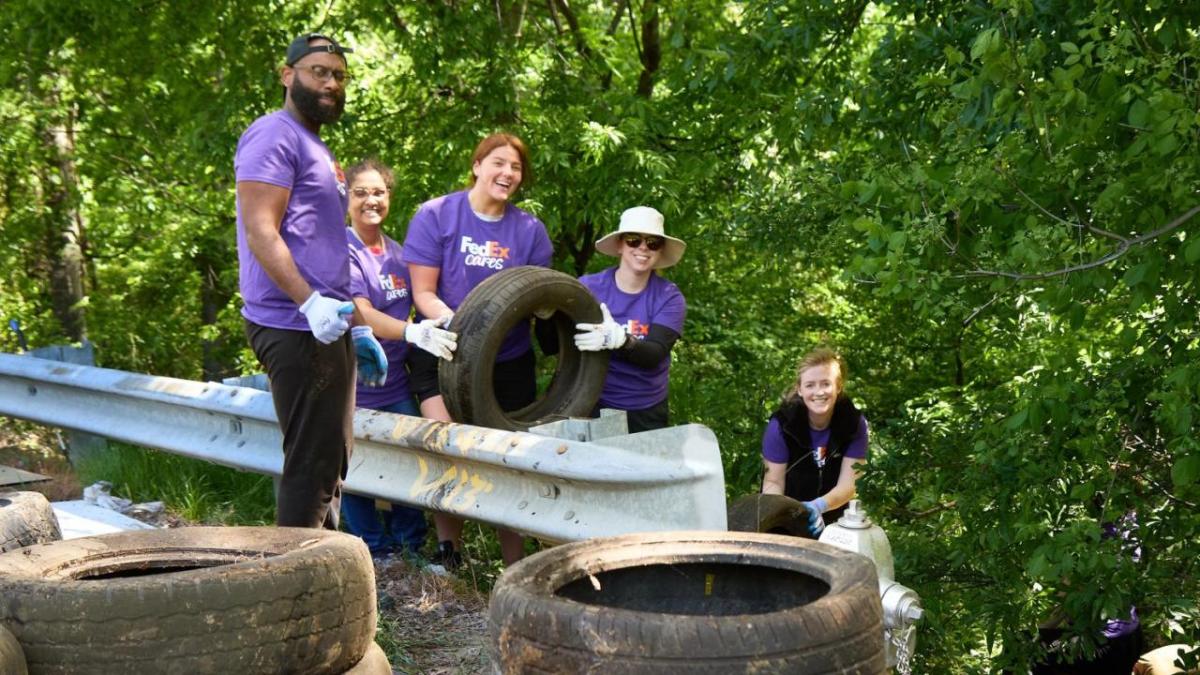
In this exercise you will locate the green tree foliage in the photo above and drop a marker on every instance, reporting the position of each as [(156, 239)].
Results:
[(989, 206)]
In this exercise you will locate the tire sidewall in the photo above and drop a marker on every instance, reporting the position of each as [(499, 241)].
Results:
[(299, 600), (527, 592), (26, 518), (495, 307)]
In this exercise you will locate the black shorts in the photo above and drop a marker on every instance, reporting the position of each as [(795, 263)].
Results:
[(422, 373), (514, 382), (656, 416)]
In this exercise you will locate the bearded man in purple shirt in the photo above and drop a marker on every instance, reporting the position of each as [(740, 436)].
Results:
[(294, 277)]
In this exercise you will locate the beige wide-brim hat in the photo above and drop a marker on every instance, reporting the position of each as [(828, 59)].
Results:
[(643, 220)]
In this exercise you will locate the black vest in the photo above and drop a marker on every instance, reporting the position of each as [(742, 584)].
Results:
[(805, 479)]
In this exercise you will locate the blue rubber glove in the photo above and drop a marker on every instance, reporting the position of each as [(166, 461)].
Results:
[(372, 361), (816, 523)]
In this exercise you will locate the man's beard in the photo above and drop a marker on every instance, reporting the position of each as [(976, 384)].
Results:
[(308, 102)]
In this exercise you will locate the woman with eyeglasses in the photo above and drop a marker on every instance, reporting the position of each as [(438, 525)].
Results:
[(643, 317), (379, 285), (455, 242)]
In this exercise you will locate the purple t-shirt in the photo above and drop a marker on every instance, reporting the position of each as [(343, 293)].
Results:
[(278, 150), (774, 447), (382, 278), (629, 387), (445, 233)]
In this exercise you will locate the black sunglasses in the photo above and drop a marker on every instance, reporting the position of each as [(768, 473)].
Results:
[(635, 240)]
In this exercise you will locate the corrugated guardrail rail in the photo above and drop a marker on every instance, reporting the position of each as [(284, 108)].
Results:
[(555, 484)]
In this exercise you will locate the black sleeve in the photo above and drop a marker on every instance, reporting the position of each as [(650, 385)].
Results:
[(546, 333), (650, 350)]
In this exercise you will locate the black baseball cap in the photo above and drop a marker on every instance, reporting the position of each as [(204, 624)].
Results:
[(301, 48)]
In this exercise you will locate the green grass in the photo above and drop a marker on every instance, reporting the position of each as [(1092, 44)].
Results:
[(199, 491), (397, 649)]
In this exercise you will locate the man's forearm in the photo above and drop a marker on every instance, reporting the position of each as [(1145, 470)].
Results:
[(276, 260)]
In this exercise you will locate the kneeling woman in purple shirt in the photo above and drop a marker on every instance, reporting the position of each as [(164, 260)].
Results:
[(815, 440), (455, 242), (643, 317)]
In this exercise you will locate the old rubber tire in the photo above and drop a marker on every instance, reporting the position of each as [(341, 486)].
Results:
[(26, 518), (774, 514), (192, 600), (482, 321), (374, 662), (689, 602), (12, 658)]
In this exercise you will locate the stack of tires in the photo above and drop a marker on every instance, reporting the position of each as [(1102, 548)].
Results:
[(26, 518), (191, 600)]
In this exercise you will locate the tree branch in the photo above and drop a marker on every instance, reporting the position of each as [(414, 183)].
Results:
[(573, 22), (1083, 226), (854, 21), (979, 310), (1122, 248), (931, 511), (651, 48)]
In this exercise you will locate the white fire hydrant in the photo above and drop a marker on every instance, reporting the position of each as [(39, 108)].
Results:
[(901, 605)]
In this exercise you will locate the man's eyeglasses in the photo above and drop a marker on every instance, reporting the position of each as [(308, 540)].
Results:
[(322, 74), (363, 193), (635, 240)]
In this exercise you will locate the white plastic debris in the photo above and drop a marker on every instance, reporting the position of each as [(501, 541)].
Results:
[(100, 494)]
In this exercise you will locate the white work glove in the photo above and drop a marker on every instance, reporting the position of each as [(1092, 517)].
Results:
[(370, 358), (816, 522), (428, 335), (327, 318), (593, 337)]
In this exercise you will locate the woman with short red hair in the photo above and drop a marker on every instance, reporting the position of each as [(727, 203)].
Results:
[(455, 242)]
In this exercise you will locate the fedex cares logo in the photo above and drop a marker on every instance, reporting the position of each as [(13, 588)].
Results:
[(637, 329), (393, 286), (487, 254)]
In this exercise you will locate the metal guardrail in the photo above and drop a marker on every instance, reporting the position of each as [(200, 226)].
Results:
[(563, 483)]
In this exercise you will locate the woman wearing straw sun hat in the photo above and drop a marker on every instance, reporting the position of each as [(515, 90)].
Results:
[(643, 317)]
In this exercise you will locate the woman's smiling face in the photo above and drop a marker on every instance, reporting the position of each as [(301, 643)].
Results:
[(499, 173), (369, 199), (639, 258), (819, 388)]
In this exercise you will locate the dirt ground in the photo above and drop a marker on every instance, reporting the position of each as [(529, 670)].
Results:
[(428, 624), (434, 624)]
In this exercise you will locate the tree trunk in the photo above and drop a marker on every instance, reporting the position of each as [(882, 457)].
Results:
[(64, 221), (214, 297)]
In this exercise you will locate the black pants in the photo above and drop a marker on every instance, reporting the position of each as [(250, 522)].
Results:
[(514, 382), (312, 386)]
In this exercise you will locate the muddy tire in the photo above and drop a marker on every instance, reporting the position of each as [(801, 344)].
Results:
[(26, 518), (192, 600), (12, 658), (690, 602), (374, 662), (773, 514), (483, 320)]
